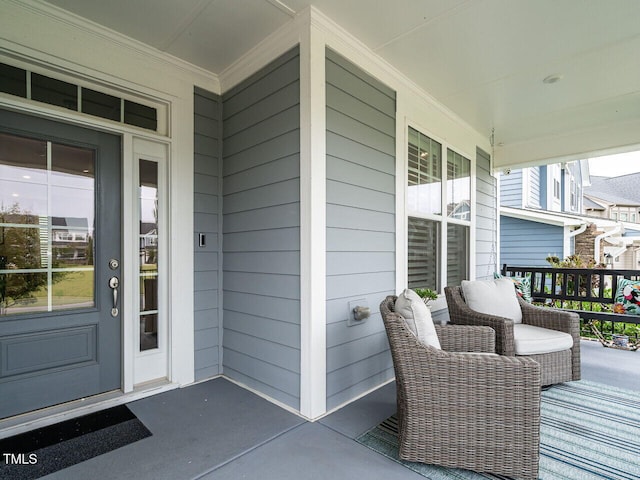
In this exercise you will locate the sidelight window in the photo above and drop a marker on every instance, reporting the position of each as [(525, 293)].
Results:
[(148, 237)]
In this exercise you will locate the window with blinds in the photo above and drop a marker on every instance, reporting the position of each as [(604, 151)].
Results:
[(457, 254), (438, 245), (424, 258), (424, 174)]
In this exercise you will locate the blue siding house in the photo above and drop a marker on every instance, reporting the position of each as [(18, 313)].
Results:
[(540, 211), (528, 242), (549, 210)]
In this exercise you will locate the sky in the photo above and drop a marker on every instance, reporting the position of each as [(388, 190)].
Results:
[(615, 165)]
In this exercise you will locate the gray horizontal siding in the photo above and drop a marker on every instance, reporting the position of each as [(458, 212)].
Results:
[(526, 243), (271, 240), (264, 377), (264, 284), (511, 189), (486, 216), (261, 230), (252, 198), (274, 308), (264, 218), (207, 149), (360, 220)]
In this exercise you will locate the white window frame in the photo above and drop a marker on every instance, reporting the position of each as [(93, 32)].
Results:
[(554, 187), (405, 213), (152, 364)]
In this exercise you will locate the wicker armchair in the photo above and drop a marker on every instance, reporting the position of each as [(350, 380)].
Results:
[(477, 412), (557, 367)]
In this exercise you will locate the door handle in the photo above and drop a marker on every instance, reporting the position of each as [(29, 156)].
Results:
[(114, 283)]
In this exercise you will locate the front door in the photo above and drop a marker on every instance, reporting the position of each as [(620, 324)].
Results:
[(60, 240)]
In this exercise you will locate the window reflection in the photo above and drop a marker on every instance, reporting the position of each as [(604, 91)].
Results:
[(47, 211), (424, 174), (458, 186), (23, 248), (148, 234)]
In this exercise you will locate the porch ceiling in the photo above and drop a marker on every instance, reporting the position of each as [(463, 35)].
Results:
[(484, 59)]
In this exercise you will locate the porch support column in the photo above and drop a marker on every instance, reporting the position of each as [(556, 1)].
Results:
[(313, 320)]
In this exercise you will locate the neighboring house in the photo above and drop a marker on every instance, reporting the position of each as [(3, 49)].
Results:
[(539, 212), (529, 236), (553, 188), (70, 240), (559, 210), (618, 199), (240, 206)]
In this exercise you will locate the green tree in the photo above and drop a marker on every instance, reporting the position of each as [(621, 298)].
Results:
[(19, 249)]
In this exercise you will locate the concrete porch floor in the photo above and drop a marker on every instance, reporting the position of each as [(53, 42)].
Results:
[(218, 430)]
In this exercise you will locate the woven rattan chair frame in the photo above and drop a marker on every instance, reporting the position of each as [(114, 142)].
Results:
[(557, 367), (477, 412)]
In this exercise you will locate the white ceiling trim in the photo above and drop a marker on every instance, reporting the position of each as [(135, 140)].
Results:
[(565, 147), (282, 7), (280, 41), (63, 16), (186, 22), (426, 23), (351, 47), (344, 43)]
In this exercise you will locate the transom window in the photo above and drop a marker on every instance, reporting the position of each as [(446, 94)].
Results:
[(53, 91), (439, 214)]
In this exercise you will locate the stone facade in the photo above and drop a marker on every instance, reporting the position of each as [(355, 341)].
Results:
[(585, 243)]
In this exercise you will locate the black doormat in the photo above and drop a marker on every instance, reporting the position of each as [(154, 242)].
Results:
[(49, 449)]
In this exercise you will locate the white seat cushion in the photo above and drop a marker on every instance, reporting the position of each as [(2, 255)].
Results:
[(493, 297), (530, 340), (483, 354), (417, 317)]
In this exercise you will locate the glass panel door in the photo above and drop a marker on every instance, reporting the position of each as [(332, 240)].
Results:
[(60, 242)]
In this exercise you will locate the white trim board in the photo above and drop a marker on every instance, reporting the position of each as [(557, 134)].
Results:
[(56, 15), (550, 218), (313, 249)]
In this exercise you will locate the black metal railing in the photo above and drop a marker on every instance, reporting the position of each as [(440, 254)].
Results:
[(590, 292)]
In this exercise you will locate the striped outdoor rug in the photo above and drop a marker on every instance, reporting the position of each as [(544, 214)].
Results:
[(588, 431)]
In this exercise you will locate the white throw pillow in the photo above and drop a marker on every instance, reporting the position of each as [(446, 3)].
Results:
[(493, 297), (417, 316)]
